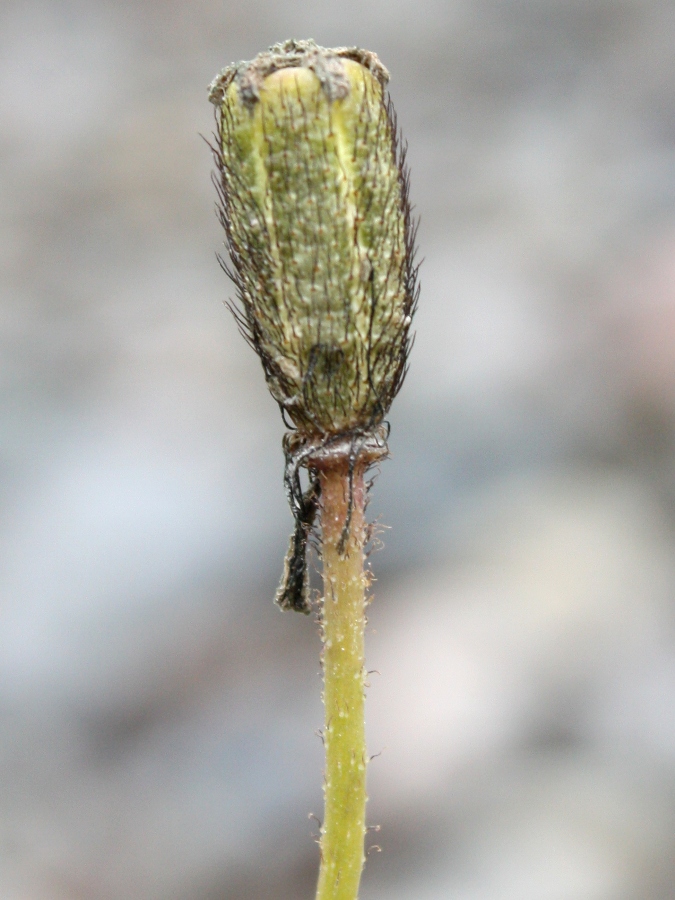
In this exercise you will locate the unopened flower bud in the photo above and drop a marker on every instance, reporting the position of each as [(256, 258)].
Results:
[(314, 201)]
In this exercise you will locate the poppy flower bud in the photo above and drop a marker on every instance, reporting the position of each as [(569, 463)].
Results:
[(314, 202)]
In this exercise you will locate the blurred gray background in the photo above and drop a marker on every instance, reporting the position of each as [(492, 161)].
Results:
[(157, 713)]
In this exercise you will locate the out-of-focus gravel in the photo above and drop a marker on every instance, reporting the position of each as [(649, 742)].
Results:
[(157, 714)]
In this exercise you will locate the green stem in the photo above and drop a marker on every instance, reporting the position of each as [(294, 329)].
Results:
[(344, 824)]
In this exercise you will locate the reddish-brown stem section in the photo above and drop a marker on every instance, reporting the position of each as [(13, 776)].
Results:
[(343, 626)]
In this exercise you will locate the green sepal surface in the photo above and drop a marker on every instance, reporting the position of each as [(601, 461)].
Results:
[(316, 216)]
